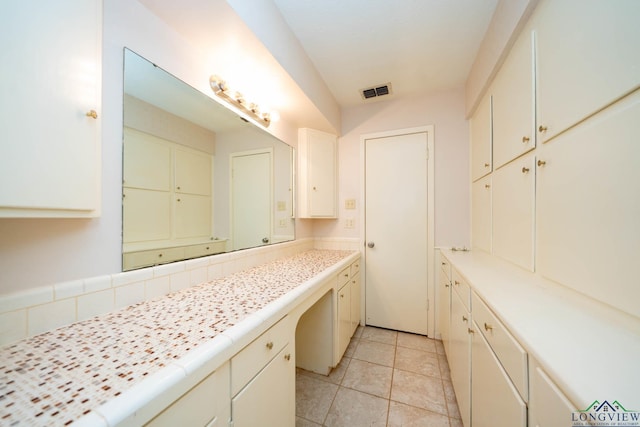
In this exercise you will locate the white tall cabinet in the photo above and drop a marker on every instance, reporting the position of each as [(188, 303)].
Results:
[(317, 174), (559, 197), (51, 67)]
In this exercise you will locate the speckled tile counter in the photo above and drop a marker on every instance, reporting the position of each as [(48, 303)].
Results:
[(59, 376)]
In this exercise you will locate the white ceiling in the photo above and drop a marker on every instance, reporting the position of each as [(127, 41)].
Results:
[(419, 46)]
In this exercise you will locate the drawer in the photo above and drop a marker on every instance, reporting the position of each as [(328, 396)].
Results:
[(152, 257), (445, 266), (355, 267), (343, 276), (511, 355), (189, 409), (461, 287), (204, 249), (250, 360)]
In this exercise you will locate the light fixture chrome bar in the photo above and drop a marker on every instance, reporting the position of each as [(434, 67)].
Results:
[(221, 89)]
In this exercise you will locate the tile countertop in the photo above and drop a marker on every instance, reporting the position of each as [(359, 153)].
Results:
[(60, 376), (591, 350)]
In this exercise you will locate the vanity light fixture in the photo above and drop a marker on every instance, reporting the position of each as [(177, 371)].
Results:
[(236, 99)]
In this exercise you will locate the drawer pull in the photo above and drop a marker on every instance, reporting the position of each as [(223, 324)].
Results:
[(287, 357), (270, 345), (471, 331), (464, 319), (488, 326)]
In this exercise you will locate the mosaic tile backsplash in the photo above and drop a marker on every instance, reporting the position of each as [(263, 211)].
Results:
[(57, 377)]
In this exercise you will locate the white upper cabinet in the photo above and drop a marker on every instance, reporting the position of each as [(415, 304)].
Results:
[(317, 172), (513, 208), (50, 62), (588, 206), (588, 56), (513, 104), (480, 127)]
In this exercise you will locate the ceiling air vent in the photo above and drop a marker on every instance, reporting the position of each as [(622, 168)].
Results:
[(374, 92)]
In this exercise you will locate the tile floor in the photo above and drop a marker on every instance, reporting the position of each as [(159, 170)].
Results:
[(386, 378)]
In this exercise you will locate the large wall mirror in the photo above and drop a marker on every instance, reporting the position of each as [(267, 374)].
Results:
[(197, 178)]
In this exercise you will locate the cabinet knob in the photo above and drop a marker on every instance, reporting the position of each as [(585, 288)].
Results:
[(446, 285), (525, 170), (471, 331), (287, 357), (159, 255), (541, 163), (371, 244), (456, 283), (314, 188), (270, 345), (464, 318), (488, 326), (177, 188), (525, 139), (487, 186), (542, 129), (486, 165), (92, 114), (178, 199)]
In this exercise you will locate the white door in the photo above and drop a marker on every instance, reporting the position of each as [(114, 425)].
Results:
[(396, 271), (251, 199)]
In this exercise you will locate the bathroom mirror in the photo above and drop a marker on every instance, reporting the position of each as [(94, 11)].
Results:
[(197, 178)]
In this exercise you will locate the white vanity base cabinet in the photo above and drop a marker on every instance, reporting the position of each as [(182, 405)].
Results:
[(207, 404), (495, 401)]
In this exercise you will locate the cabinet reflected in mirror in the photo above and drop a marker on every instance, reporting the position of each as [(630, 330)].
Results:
[(197, 178)]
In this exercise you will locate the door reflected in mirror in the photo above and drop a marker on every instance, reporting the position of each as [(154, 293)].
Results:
[(197, 178)]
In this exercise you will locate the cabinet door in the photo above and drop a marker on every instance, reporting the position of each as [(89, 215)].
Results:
[(513, 104), (513, 200), (193, 216), (588, 205), (444, 308), (480, 127), (269, 399), (460, 358), (317, 166), (344, 317), (549, 406), (481, 214), (588, 56), (496, 402), (50, 62), (192, 172), (147, 161), (146, 215), (355, 303)]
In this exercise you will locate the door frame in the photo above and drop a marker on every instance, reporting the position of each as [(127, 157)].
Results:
[(429, 130)]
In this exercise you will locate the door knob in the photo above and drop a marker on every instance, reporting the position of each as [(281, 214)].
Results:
[(265, 240), (371, 244)]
